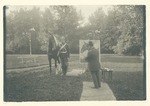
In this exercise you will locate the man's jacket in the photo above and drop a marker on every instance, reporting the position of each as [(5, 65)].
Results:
[(93, 60)]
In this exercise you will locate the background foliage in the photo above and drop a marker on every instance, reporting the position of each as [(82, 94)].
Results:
[(120, 31)]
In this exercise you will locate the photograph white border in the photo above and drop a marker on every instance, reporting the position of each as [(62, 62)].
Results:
[(80, 2)]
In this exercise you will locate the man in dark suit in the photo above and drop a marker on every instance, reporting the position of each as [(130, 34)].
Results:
[(94, 64)]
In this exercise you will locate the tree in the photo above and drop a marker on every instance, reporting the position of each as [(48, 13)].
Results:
[(102, 28), (61, 21), (18, 25), (66, 19), (121, 31), (10, 33), (47, 24), (111, 32), (131, 27)]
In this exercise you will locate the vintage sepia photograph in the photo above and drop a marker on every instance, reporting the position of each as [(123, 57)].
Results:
[(74, 53)]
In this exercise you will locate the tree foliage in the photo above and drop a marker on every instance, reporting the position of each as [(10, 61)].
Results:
[(131, 27), (61, 21), (18, 25), (120, 30)]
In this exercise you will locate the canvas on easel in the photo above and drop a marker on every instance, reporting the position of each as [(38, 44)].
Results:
[(83, 51)]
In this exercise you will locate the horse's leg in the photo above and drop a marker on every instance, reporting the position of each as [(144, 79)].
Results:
[(55, 63), (58, 59), (50, 65), (59, 64), (56, 66)]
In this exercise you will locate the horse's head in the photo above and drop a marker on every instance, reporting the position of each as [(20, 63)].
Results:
[(84, 47), (53, 43)]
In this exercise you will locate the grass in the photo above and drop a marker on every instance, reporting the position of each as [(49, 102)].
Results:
[(12, 61), (40, 86), (126, 85)]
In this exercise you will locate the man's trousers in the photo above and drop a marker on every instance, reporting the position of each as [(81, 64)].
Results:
[(96, 78)]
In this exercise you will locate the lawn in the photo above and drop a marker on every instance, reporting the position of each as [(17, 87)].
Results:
[(40, 86), (127, 83), (37, 85), (12, 61)]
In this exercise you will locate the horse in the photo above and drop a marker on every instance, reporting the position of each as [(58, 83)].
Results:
[(84, 51), (84, 47), (53, 49)]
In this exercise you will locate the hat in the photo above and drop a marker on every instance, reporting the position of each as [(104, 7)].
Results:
[(90, 43)]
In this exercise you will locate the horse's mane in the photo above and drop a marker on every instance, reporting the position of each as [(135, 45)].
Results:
[(51, 43)]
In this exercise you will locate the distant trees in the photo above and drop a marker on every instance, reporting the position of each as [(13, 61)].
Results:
[(131, 27), (18, 25), (120, 31), (61, 21)]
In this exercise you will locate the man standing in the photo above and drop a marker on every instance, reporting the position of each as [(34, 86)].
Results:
[(64, 55), (94, 64)]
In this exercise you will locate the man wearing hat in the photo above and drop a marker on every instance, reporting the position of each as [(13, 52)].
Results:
[(64, 55), (94, 64)]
